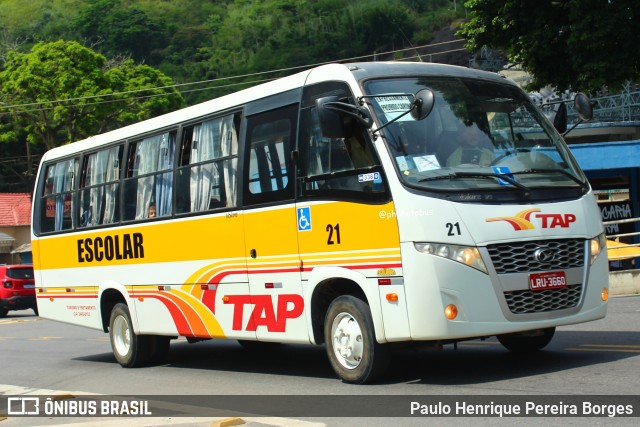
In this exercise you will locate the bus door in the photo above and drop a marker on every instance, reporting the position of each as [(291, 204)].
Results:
[(273, 264), (345, 218)]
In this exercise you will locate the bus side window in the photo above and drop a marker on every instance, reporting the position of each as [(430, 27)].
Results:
[(269, 143), (149, 179), (336, 163), (100, 188), (346, 167), (208, 160), (57, 206)]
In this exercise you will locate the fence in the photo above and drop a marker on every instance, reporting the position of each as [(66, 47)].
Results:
[(619, 251)]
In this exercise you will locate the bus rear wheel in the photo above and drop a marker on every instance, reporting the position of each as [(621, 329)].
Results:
[(130, 350), (353, 351), (527, 342)]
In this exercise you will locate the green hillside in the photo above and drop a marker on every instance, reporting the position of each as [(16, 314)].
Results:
[(210, 48)]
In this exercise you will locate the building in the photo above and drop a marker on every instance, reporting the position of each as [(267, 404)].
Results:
[(15, 228)]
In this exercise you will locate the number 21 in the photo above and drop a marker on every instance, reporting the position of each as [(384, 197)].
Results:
[(451, 227), (330, 230)]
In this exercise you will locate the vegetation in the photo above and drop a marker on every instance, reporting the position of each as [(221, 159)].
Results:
[(73, 68), (61, 92), (578, 44), (63, 63)]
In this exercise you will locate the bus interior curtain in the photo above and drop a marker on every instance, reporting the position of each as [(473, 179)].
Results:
[(111, 190), (146, 162), (163, 196), (200, 179), (229, 148), (63, 174), (96, 178)]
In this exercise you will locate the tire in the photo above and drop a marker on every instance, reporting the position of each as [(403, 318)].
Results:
[(130, 350), (353, 351), (526, 343), (3, 313)]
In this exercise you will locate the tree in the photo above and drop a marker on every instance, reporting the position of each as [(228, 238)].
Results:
[(276, 34), (577, 44), (60, 92), (120, 28)]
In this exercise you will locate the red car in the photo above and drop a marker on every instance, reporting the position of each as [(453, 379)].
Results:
[(17, 289)]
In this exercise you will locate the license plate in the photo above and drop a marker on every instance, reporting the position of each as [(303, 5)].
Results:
[(550, 280), (29, 286)]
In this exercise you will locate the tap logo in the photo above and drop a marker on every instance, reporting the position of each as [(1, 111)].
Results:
[(523, 220)]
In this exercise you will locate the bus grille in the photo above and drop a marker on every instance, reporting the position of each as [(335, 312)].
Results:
[(521, 302), (519, 257)]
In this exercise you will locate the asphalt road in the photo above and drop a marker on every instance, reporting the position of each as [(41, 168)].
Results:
[(44, 358)]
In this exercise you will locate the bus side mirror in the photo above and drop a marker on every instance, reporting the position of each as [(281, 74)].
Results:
[(560, 118), (583, 106), (334, 117), (331, 123), (423, 104)]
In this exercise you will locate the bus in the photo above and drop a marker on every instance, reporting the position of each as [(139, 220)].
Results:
[(365, 207)]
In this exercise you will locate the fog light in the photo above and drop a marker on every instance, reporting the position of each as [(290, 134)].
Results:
[(451, 312), (605, 294)]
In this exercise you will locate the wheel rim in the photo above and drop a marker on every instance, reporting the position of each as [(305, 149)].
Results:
[(121, 335), (347, 340)]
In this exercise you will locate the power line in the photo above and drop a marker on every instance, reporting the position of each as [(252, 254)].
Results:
[(178, 85), (129, 99)]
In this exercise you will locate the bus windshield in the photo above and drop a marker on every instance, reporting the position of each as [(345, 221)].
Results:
[(481, 136)]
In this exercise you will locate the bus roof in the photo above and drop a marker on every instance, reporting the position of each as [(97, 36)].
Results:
[(366, 70), (358, 71)]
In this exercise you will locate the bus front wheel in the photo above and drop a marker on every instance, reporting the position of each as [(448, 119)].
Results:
[(527, 342), (353, 351), (131, 350)]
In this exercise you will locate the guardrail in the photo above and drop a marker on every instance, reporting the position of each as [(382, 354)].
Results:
[(632, 246)]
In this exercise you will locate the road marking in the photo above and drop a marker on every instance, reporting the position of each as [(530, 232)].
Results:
[(7, 338), (614, 348), (229, 422), (45, 338), (11, 320), (637, 347)]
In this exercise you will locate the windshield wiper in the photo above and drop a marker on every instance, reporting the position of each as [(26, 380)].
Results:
[(484, 175), (582, 185)]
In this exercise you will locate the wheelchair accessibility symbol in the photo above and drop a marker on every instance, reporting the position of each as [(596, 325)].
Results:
[(304, 219)]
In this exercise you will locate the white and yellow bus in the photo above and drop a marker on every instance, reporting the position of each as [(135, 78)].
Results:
[(363, 206)]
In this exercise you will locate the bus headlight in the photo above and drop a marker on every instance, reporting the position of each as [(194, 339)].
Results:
[(467, 255), (598, 244)]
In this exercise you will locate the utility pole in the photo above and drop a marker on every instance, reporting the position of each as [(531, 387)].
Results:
[(29, 172)]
